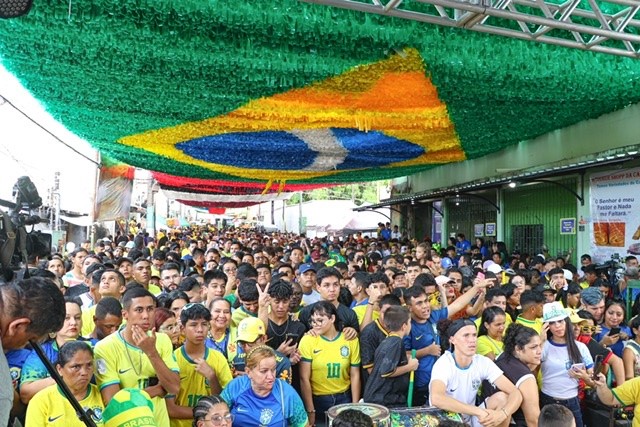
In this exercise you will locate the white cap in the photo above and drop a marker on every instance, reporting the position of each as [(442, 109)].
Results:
[(494, 268), (443, 280), (568, 274)]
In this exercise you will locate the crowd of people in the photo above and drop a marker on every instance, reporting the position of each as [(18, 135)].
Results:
[(204, 327)]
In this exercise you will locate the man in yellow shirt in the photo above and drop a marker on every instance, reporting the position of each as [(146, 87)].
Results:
[(137, 357), (531, 314), (203, 371)]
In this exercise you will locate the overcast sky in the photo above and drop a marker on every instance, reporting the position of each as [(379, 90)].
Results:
[(25, 149)]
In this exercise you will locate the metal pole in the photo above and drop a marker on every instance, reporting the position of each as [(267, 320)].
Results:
[(300, 213)]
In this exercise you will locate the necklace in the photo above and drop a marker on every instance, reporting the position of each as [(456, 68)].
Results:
[(495, 345), (126, 348), (271, 323)]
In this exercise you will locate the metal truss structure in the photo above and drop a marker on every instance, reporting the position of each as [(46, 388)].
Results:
[(611, 27)]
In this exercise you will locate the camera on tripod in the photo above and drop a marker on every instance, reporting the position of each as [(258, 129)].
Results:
[(16, 244), (612, 269)]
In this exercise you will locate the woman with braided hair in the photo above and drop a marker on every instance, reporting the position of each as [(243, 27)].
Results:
[(211, 411), (260, 397)]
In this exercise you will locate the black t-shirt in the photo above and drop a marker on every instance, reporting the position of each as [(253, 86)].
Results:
[(515, 371), (595, 348), (381, 388), (370, 338), (276, 334), (76, 291), (347, 318)]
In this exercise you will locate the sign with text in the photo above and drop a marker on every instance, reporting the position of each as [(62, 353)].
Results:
[(478, 230), (490, 229), (615, 218), (567, 226)]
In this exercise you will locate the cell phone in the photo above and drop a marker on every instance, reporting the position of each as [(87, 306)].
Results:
[(577, 366), (480, 275), (153, 381), (614, 331), (598, 366), (292, 337)]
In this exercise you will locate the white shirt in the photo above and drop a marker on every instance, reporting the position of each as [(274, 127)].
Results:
[(463, 383), (555, 366)]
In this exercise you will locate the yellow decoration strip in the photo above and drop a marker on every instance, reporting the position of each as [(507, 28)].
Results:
[(393, 96)]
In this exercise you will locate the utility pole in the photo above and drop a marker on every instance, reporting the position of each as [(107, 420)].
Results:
[(300, 213)]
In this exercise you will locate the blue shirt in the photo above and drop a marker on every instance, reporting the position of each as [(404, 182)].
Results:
[(15, 360), (250, 409), (423, 335), (33, 368), (463, 247)]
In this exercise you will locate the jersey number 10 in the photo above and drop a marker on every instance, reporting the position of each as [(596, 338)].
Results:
[(333, 370)]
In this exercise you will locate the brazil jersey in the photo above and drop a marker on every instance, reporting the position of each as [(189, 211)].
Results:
[(194, 385), (361, 311), (248, 409), (49, 407), (118, 362), (16, 360), (239, 315), (87, 321), (226, 345), (331, 361), (535, 324)]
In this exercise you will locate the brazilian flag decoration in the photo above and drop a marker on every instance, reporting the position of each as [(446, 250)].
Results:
[(272, 95)]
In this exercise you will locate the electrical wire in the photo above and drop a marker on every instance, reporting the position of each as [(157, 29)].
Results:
[(47, 131)]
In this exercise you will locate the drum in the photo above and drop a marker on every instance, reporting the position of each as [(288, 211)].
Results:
[(378, 413)]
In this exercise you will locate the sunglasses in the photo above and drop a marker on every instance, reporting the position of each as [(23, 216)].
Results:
[(588, 329)]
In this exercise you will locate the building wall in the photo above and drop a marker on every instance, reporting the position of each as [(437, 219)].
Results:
[(540, 204)]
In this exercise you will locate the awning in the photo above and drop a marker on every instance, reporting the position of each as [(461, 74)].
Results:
[(83, 221)]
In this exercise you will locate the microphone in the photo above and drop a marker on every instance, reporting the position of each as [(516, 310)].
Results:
[(14, 8)]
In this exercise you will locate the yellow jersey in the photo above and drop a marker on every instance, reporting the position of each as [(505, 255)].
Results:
[(49, 407), (536, 324), (87, 321), (194, 385), (239, 315), (487, 345), (118, 362), (331, 362), (361, 310)]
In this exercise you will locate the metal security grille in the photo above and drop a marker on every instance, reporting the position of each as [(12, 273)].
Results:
[(464, 212), (527, 238), (611, 27)]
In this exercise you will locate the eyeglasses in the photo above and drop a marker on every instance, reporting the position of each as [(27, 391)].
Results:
[(319, 321), (170, 328), (588, 329), (217, 420)]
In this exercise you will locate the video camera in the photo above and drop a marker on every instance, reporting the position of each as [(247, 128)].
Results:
[(16, 244), (613, 269)]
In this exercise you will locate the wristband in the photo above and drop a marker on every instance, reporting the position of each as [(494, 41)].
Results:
[(311, 412)]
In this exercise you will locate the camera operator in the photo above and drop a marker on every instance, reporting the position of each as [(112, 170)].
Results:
[(630, 273), (29, 310)]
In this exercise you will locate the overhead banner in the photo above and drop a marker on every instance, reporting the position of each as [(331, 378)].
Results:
[(113, 198), (615, 217)]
